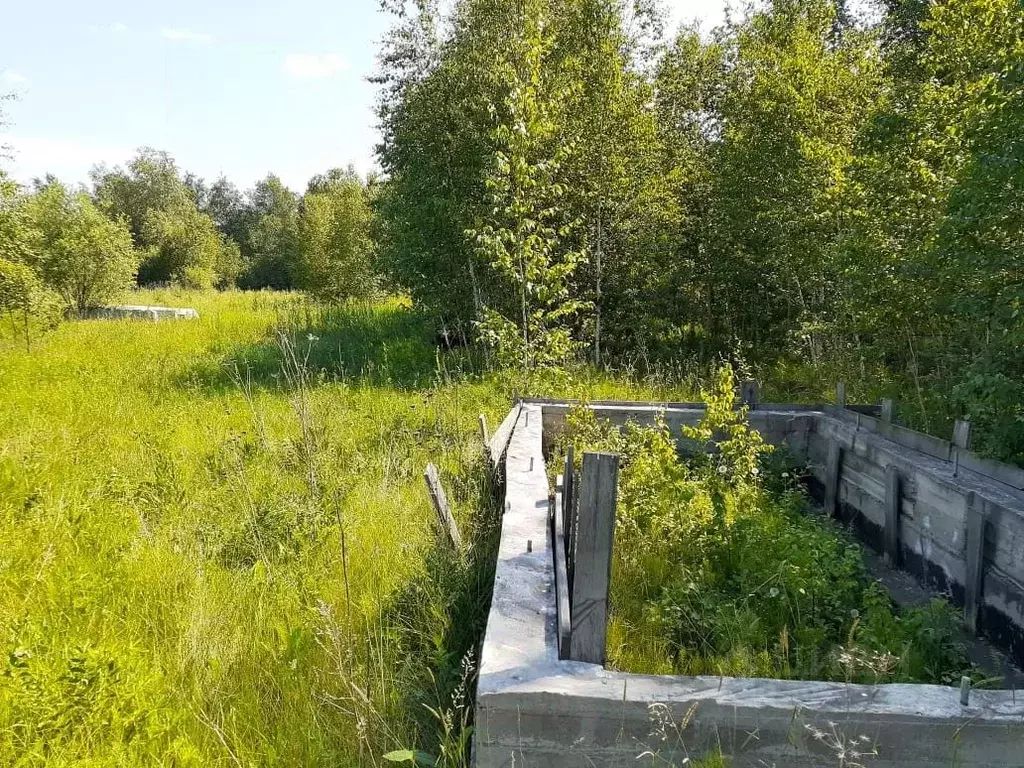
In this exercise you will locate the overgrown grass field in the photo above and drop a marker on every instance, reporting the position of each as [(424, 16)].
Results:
[(216, 547)]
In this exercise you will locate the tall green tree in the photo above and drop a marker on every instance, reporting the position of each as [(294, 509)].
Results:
[(85, 257), (610, 175), (269, 242), (151, 181), (183, 246), (522, 234), (795, 101), (335, 249), (435, 125), (162, 207)]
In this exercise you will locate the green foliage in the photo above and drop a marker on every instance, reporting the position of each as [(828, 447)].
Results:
[(521, 234), (151, 181), (270, 240), (184, 247), (334, 239), (804, 188), (23, 297), (716, 574), (83, 256)]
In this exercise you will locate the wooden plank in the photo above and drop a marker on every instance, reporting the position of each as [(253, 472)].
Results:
[(568, 489), (832, 476), (595, 536), (444, 512), (483, 428), (962, 434), (570, 506), (887, 408), (499, 440), (840, 395), (1003, 473), (749, 394), (917, 441), (564, 619), (974, 542), (892, 515)]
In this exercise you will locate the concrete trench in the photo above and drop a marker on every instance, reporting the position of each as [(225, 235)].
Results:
[(535, 710)]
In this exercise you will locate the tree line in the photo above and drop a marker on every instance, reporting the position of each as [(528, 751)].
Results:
[(810, 191), (803, 189), (149, 223)]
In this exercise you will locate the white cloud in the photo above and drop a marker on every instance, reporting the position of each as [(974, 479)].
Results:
[(181, 35), (67, 159), (114, 29), (311, 66), (10, 77)]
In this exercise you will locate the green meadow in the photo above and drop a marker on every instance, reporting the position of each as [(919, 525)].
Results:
[(216, 546)]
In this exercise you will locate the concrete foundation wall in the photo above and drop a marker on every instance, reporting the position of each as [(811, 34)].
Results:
[(152, 314), (933, 520), (534, 710)]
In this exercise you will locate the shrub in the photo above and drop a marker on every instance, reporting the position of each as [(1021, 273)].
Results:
[(715, 574), (83, 256), (24, 297)]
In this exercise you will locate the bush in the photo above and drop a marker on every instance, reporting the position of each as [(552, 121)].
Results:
[(83, 256), (715, 574), (184, 248), (24, 297)]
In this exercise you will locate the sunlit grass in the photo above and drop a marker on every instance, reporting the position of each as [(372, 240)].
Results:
[(175, 588)]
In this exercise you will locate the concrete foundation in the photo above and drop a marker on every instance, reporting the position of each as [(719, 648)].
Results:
[(534, 710), (152, 314)]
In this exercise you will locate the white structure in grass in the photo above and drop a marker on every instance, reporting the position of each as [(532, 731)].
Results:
[(135, 312)]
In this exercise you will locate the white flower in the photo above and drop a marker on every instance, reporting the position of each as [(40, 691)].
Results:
[(785, 474), (854, 613), (311, 338), (722, 469), (755, 471), (773, 592)]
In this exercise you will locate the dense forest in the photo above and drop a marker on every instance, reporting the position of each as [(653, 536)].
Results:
[(810, 191)]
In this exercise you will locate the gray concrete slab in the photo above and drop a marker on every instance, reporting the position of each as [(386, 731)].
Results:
[(138, 312)]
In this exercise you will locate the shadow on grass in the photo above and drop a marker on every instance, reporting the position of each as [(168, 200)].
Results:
[(383, 344), (441, 615)]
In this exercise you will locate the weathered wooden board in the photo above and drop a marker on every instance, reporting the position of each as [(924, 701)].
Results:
[(1004, 473), (892, 515), (594, 541), (564, 618), (440, 500), (974, 574), (498, 443), (962, 434)]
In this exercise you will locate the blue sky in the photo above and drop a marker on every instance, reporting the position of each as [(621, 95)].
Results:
[(225, 86)]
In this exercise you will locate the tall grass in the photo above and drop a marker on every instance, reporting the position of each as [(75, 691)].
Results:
[(215, 543)]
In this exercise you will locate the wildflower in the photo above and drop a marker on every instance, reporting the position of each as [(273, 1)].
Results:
[(755, 471), (311, 338), (785, 474), (722, 469), (773, 592), (854, 613)]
